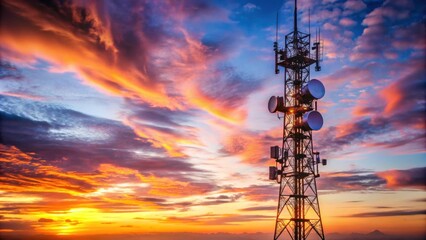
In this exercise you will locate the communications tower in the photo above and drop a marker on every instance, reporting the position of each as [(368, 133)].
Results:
[(296, 162)]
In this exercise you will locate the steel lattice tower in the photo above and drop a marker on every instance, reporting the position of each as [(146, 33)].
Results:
[(296, 169)]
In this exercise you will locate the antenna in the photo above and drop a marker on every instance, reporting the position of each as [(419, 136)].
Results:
[(309, 21), (276, 29), (295, 16), (296, 164), (316, 33), (276, 46), (317, 46), (319, 33)]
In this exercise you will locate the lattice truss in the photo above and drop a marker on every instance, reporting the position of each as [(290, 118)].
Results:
[(298, 213)]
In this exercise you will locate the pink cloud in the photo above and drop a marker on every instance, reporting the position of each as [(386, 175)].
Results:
[(356, 75), (354, 5), (411, 178), (377, 36), (347, 22)]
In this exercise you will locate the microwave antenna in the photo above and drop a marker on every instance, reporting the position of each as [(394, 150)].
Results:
[(296, 163)]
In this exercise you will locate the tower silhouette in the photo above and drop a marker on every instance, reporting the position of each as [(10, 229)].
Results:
[(296, 162)]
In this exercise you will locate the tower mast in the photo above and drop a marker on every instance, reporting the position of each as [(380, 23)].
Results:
[(296, 163)]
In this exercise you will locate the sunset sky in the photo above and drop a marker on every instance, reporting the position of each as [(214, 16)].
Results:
[(134, 117)]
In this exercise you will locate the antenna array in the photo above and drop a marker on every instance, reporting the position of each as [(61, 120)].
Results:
[(296, 163)]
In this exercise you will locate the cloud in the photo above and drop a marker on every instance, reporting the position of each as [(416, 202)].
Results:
[(119, 172), (394, 213), (237, 86), (15, 225), (216, 200), (45, 220), (261, 208), (420, 200), (354, 5), (406, 92), (108, 187), (356, 76), (72, 222), (23, 172), (251, 146), (250, 7), (22, 94), (373, 235), (399, 105), (132, 55), (410, 178), (413, 178), (163, 128), (64, 25), (9, 71), (126, 226), (347, 22), (336, 138), (218, 219), (80, 141), (377, 36), (257, 193), (410, 37), (350, 181)]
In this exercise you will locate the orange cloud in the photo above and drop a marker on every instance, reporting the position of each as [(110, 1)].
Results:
[(158, 186), (162, 71), (252, 147), (109, 188), (410, 178), (145, 65), (169, 139), (53, 41), (393, 96), (23, 172)]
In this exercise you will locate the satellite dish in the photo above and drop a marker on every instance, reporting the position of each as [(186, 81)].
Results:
[(276, 104), (312, 120), (314, 89)]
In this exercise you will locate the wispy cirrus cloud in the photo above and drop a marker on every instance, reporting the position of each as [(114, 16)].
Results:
[(73, 140), (138, 68)]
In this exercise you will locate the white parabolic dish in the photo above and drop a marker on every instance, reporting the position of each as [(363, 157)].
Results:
[(273, 104), (312, 120), (314, 89)]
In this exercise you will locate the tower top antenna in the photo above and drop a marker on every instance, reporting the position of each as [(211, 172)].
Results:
[(295, 15), (276, 29)]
